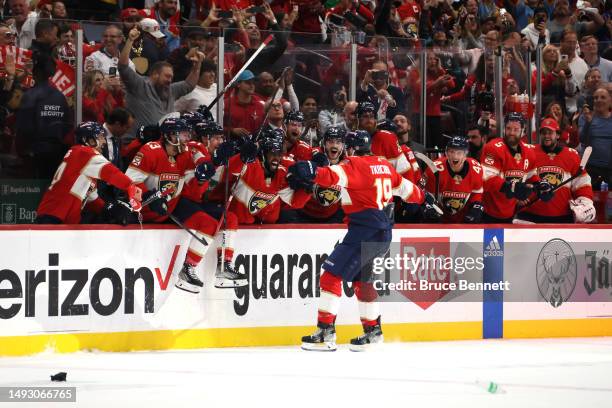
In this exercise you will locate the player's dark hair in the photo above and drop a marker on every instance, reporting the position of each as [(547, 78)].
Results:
[(118, 116), (43, 27)]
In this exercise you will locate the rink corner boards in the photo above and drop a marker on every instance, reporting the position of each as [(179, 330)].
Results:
[(59, 292)]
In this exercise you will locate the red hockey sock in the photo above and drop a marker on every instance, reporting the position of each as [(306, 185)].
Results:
[(368, 308), (229, 254), (193, 258)]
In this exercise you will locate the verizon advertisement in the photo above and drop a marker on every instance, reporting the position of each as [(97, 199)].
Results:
[(123, 280)]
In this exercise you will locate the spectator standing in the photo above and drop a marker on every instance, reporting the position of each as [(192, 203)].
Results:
[(25, 22), (167, 14), (46, 38), (195, 40), (335, 115), (100, 96), (244, 111), (376, 88), (107, 57), (204, 92), (595, 129), (589, 48), (43, 121), (149, 99)]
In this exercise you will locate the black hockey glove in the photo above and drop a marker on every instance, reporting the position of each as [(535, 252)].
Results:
[(474, 215), (427, 208), (519, 190), (545, 191), (118, 211), (248, 151), (305, 170), (320, 159), (159, 206), (295, 183), (223, 152), (148, 133), (204, 171)]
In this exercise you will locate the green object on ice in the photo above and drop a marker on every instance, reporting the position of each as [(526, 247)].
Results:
[(492, 388)]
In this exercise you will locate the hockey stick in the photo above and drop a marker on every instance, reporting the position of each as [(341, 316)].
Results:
[(158, 194), (180, 224), (583, 162), (244, 67), (230, 195), (432, 166)]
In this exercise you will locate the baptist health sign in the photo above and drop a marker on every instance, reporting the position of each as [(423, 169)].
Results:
[(59, 290), (19, 199)]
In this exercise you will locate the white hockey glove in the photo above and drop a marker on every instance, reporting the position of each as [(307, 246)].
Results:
[(583, 210)]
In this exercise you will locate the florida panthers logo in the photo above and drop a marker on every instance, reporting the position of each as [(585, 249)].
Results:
[(514, 175), (552, 174), (327, 196), (169, 181), (259, 201), (454, 201)]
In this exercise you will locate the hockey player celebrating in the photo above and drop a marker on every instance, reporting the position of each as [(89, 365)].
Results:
[(295, 148), (368, 184), (324, 205), (457, 185), (509, 172), (261, 184), (384, 143), (555, 164), (74, 183), (167, 166)]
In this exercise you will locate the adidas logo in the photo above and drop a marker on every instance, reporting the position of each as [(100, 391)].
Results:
[(493, 249)]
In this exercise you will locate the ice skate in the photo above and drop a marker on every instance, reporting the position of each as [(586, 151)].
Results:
[(227, 277), (188, 280), (323, 339), (372, 336)]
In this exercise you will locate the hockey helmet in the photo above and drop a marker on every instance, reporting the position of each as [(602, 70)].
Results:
[(88, 131), (360, 141)]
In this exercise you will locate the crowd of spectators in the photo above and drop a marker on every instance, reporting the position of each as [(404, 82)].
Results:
[(146, 59)]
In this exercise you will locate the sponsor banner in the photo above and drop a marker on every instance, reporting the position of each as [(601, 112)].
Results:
[(493, 299), (19, 200), (123, 280), (564, 274)]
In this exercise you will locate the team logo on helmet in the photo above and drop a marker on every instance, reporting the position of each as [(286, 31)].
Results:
[(454, 201), (169, 181), (259, 201), (327, 196), (552, 174)]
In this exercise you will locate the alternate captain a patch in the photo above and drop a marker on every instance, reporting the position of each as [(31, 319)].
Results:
[(259, 201), (327, 196)]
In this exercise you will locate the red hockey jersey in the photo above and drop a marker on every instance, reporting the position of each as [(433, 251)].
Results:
[(556, 168), (456, 191), (414, 173), (367, 182), (152, 168), (385, 144), (500, 164), (301, 151), (256, 198), (74, 183)]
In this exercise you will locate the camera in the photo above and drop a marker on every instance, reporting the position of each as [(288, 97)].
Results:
[(485, 101), (380, 75)]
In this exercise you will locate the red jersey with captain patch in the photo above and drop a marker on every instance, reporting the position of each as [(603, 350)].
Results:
[(501, 164), (152, 168), (556, 167), (257, 198), (75, 181), (456, 191), (367, 182)]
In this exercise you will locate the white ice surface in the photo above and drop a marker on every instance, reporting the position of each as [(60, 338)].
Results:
[(533, 373)]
